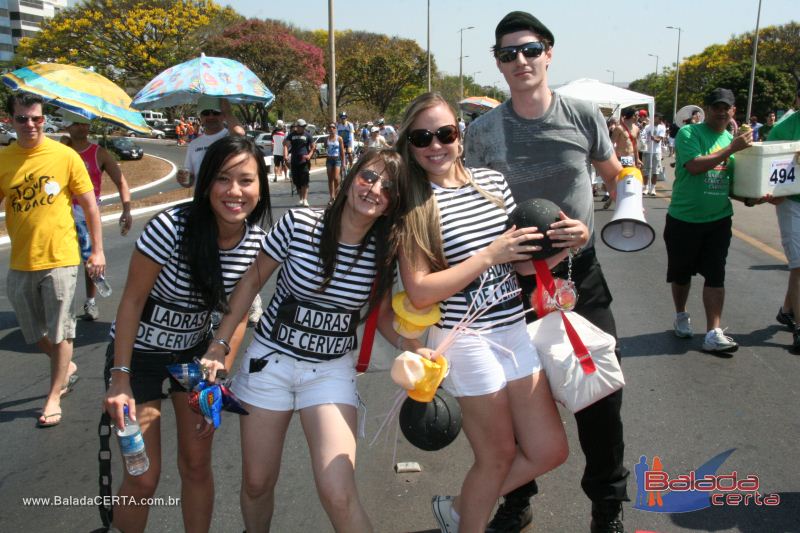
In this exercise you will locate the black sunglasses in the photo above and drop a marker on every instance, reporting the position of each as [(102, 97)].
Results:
[(370, 177), (424, 138), (507, 54), (207, 112), (23, 119)]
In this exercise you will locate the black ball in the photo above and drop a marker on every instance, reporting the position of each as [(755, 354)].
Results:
[(540, 213), (431, 426)]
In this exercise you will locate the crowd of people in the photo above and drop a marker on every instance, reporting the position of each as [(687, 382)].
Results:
[(427, 202)]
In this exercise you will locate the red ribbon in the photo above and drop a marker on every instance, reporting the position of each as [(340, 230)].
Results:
[(544, 279)]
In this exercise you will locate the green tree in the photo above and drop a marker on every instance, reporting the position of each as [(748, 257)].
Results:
[(271, 50), (382, 67), (128, 41)]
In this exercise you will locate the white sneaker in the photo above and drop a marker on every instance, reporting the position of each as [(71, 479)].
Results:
[(301, 203), (716, 341), (90, 311), (442, 511), (254, 314), (683, 326), (305, 203)]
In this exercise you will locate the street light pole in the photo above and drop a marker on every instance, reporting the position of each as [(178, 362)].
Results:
[(429, 45), (461, 64), (332, 77), (677, 71), (753, 68), (612, 75)]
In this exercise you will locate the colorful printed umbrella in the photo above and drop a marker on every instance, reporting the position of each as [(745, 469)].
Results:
[(478, 104), (79, 90), (211, 76)]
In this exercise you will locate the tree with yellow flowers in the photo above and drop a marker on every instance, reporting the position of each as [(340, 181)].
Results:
[(128, 41)]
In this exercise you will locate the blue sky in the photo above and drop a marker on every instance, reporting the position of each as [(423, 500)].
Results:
[(592, 37)]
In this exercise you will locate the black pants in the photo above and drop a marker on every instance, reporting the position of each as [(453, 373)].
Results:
[(599, 425)]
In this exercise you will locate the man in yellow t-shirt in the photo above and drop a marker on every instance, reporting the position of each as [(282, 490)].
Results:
[(38, 179)]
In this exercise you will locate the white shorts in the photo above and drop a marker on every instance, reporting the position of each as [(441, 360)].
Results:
[(478, 367), (289, 384), (788, 213)]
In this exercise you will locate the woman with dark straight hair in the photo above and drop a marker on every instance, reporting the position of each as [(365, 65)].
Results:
[(187, 261), (333, 264)]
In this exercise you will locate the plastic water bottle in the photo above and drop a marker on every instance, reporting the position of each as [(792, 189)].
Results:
[(103, 286), (131, 445)]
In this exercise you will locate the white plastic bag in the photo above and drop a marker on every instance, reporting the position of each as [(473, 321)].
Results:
[(571, 384)]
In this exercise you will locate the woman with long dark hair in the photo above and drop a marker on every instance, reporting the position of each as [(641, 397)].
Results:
[(456, 251), (333, 264), (187, 261)]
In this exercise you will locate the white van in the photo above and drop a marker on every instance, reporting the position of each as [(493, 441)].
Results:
[(154, 118)]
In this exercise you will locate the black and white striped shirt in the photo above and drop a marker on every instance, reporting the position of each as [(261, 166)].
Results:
[(173, 289), (294, 242), (470, 223)]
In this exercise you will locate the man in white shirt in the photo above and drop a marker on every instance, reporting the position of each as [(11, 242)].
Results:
[(214, 114), (651, 157)]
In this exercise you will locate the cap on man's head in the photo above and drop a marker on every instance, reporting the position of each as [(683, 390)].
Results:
[(71, 118), (374, 129), (208, 103), (279, 123), (300, 122), (521, 21), (720, 95), (643, 112)]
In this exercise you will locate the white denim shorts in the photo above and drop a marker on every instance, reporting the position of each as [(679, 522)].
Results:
[(289, 384), (479, 367), (789, 223)]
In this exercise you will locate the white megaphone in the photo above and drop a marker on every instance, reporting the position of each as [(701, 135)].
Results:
[(628, 231)]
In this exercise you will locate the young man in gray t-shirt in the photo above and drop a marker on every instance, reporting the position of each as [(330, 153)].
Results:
[(544, 145)]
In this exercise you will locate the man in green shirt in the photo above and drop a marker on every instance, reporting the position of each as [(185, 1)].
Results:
[(789, 222), (698, 225)]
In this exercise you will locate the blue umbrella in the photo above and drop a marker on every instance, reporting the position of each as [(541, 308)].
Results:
[(210, 76)]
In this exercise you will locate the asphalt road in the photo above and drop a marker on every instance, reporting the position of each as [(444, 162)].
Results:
[(680, 404)]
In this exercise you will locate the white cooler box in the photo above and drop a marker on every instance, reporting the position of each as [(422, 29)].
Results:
[(768, 167)]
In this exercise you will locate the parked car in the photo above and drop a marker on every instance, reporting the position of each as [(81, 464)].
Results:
[(154, 134), (56, 121), (322, 150), (123, 147), (49, 127), (169, 131), (7, 134), (264, 141)]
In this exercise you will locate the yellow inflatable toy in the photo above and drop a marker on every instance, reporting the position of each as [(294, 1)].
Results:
[(418, 375), (409, 321)]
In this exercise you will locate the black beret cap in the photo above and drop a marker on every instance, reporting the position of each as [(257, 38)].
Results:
[(520, 21)]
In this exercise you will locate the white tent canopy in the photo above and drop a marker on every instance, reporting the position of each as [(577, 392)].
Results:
[(606, 95)]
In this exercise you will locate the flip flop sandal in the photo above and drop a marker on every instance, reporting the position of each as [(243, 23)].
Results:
[(71, 381), (47, 423)]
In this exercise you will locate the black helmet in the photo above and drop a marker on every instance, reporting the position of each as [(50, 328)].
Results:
[(431, 426), (342, 115), (540, 213)]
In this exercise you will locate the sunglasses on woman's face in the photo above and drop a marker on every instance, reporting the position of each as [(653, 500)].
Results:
[(423, 138), (208, 112), (507, 54), (370, 177)]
